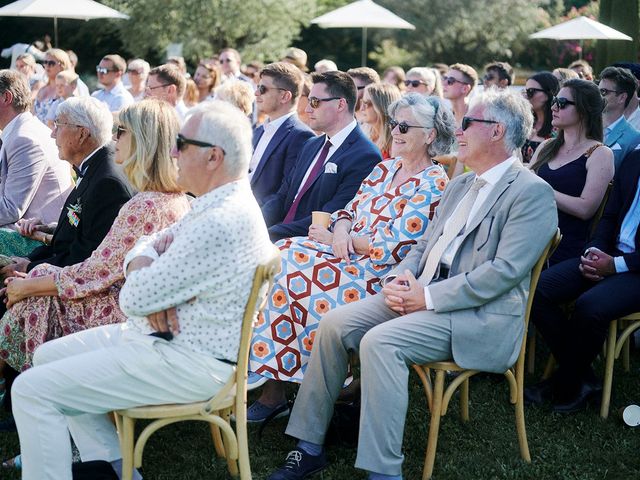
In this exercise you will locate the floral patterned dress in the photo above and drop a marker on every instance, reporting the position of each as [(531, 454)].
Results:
[(313, 281), (88, 291)]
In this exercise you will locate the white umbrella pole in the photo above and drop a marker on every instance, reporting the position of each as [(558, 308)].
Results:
[(364, 46), (581, 47), (55, 32)]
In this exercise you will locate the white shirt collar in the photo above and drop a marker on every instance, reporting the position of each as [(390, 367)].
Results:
[(81, 167), (494, 174), (273, 125), (342, 135), (614, 124)]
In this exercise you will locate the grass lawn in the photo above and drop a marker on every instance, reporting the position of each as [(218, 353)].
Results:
[(580, 446)]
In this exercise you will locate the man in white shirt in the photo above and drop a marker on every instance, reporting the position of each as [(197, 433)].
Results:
[(277, 141), (460, 293), (185, 295), (167, 83), (110, 71)]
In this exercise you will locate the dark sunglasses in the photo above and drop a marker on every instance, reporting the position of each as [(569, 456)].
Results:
[(50, 63), (414, 83), (488, 77), (104, 70), (402, 126), (530, 92), (466, 121), (262, 89), (605, 91), (182, 142), (314, 102), (561, 102), (452, 80)]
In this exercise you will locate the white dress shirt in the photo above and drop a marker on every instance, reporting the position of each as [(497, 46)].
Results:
[(270, 128), (116, 99), (207, 271), (492, 177)]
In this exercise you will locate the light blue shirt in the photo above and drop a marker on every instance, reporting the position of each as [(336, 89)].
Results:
[(116, 99), (628, 230)]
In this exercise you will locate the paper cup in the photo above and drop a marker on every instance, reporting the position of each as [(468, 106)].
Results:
[(631, 415), (320, 218)]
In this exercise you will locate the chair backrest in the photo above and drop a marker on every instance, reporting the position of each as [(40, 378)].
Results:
[(598, 215)]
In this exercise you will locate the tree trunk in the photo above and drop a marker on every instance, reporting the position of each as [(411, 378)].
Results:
[(623, 15)]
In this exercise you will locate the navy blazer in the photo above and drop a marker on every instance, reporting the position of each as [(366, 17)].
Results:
[(331, 191), (622, 140), (625, 186), (279, 157)]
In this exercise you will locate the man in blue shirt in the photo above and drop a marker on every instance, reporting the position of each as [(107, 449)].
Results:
[(110, 71)]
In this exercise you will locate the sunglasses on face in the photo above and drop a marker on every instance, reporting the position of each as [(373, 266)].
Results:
[(605, 91), (467, 121), (488, 77), (452, 80), (414, 83), (50, 63), (402, 126), (530, 92), (182, 142), (104, 70), (262, 89), (314, 102), (561, 102), (119, 131)]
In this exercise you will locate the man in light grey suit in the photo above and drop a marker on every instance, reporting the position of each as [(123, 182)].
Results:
[(460, 293), (34, 182)]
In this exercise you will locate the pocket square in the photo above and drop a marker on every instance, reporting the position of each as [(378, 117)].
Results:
[(616, 147), (331, 167)]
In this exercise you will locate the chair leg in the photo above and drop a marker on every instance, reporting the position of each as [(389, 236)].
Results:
[(521, 427), (464, 401), (243, 447), (549, 367), (608, 369), (217, 440), (434, 425), (232, 463), (126, 447), (626, 363)]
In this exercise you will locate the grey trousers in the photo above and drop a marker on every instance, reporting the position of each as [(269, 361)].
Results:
[(387, 344)]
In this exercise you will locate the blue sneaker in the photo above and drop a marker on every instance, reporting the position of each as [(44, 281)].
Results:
[(259, 412), (299, 465)]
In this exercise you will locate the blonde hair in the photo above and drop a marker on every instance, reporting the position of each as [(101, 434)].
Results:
[(382, 95), (61, 56), (68, 76), (153, 125), (238, 93)]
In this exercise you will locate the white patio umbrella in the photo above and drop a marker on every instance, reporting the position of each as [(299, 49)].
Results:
[(75, 9), (363, 14), (580, 28)]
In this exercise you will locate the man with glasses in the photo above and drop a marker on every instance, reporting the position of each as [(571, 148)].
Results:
[(618, 86), (167, 83), (278, 141), (330, 167), (632, 112), (110, 71), (362, 76), (459, 294), (230, 61), (457, 85), (498, 74)]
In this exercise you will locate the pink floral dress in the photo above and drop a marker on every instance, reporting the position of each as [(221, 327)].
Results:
[(88, 291)]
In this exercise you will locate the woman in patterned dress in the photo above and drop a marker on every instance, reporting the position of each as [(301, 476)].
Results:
[(345, 263), (54, 301)]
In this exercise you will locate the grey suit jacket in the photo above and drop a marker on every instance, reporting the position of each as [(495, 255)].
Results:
[(486, 291), (34, 182)]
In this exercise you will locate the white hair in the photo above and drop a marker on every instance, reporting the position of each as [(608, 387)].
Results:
[(91, 114), (220, 123), (325, 65), (140, 64)]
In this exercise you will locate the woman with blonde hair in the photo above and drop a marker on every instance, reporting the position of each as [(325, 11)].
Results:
[(207, 78), (55, 61), (52, 301), (373, 111), (426, 81), (26, 64)]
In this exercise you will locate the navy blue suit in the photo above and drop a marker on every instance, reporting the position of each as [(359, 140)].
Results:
[(279, 157), (353, 161)]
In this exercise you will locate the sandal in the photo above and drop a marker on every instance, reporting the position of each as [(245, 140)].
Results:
[(13, 463)]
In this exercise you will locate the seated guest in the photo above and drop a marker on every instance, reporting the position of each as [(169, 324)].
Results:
[(198, 273), (33, 180), (167, 83), (26, 64), (394, 76), (304, 101), (582, 68), (564, 74), (618, 86), (114, 94), (55, 61), (455, 295), (604, 282), (66, 85), (632, 112), (138, 72), (374, 232), (325, 65), (458, 84), (375, 117), (539, 90), (238, 93), (278, 141), (424, 80), (498, 74), (362, 76), (329, 168), (207, 78), (576, 164), (83, 135)]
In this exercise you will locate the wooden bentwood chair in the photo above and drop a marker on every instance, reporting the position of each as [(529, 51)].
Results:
[(217, 410), (438, 398)]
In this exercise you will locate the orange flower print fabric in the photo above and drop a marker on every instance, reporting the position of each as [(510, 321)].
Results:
[(313, 281)]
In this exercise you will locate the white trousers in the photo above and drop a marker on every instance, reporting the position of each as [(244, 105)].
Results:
[(77, 379)]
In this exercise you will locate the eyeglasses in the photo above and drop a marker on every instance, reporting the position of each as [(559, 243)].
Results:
[(182, 142), (314, 102), (452, 80), (530, 92), (605, 91), (119, 131), (57, 124), (104, 70), (50, 63), (157, 86), (467, 121), (561, 102), (414, 83), (402, 126), (262, 89)]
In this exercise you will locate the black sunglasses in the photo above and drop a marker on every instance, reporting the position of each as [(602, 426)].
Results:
[(182, 142), (262, 89), (402, 126), (51, 63), (452, 80), (119, 131), (414, 83), (314, 102), (530, 92), (488, 77), (466, 121), (104, 70), (561, 102)]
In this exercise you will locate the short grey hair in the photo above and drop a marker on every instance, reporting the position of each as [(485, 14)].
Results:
[(426, 74), (430, 112), (16, 83), (91, 114), (224, 125), (140, 64), (511, 110)]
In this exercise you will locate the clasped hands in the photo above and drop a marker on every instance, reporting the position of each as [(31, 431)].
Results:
[(404, 294), (595, 264)]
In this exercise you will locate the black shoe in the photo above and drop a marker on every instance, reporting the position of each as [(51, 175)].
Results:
[(588, 392), (539, 393), (8, 425), (298, 465)]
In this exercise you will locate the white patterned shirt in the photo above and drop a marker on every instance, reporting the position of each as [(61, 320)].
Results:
[(207, 271)]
